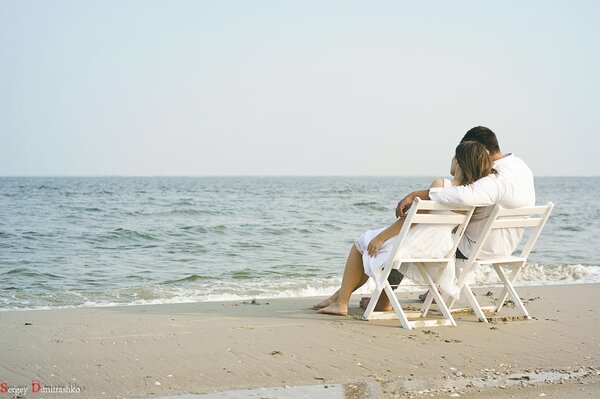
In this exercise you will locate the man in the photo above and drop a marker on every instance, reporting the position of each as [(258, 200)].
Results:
[(511, 186)]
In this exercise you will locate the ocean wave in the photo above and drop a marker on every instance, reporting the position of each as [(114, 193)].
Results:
[(371, 205), (195, 229), (536, 274), (189, 279), (245, 274), (33, 235), (285, 230), (28, 272), (190, 211), (183, 202), (248, 285), (121, 233), (573, 228)]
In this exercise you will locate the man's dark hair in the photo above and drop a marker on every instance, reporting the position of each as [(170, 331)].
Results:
[(484, 136)]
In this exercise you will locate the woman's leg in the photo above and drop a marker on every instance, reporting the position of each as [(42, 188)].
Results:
[(351, 262), (354, 277)]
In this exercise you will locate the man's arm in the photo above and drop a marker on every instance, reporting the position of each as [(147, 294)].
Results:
[(484, 191)]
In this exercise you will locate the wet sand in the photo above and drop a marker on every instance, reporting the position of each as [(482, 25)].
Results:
[(167, 350)]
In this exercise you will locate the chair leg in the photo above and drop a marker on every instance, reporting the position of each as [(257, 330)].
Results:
[(436, 295), (429, 300), (396, 305), (427, 304), (512, 278), (465, 270), (466, 290), (371, 306), (379, 286), (511, 290)]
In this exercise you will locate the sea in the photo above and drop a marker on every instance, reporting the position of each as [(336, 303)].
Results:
[(100, 241)]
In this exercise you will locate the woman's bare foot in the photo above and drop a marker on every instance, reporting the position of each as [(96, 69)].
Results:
[(324, 303), (364, 302), (335, 309)]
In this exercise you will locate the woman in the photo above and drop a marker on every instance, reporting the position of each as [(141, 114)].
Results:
[(372, 249)]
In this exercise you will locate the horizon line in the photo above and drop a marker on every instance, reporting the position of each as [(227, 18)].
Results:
[(256, 175)]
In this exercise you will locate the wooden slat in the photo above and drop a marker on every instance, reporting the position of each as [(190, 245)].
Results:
[(486, 309), (430, 323), (506, 260), (392, 315), (532, 210), (438, 206), (510, 223), (423, 260), (437, 219)]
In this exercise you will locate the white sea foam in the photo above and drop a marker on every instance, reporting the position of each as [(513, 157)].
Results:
[(531, 274), (535, 274)]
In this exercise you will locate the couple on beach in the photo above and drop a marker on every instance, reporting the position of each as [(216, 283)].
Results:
[(482, 176)]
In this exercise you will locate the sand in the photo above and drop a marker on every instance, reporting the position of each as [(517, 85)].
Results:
[(198, 348)]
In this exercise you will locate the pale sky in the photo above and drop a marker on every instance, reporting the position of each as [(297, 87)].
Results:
[(294, 87)]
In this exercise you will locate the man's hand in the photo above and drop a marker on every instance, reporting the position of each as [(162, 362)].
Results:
[(374, 245), (404, 205)]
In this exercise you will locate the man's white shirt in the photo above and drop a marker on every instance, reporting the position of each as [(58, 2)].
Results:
[(511, 186)]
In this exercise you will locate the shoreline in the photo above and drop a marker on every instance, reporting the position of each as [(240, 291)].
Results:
[(407, 290), (197, 348)]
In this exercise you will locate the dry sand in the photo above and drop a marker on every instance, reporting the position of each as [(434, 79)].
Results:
[(166, 350)]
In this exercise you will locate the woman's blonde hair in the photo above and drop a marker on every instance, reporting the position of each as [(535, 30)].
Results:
[(474, 161)]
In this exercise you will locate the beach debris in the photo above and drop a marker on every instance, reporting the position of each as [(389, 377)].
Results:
[(157, 383), (504, 319), (542, 394), (273, 353), (319, 378), (28, 323), (452, 341), (489, 293), (523, 377), (454, 395), (430, 332), (244, 328)]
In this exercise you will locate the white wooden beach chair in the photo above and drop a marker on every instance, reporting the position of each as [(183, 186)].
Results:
[(396, 259), (500, 218)]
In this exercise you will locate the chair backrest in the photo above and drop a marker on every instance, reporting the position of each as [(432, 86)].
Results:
[(460, 216), (501, 218)]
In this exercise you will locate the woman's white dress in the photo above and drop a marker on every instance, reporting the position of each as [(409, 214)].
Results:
[(422, 241)]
